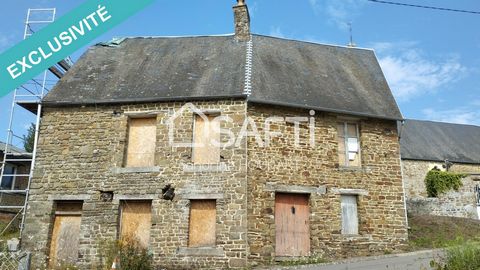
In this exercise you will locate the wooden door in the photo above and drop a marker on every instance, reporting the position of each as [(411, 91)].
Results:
[(65, 236), (292, 233), (136, 221)]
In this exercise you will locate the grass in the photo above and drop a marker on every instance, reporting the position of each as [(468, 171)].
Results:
[(302, 261), (12, 232), (438, 232), (460, 257)]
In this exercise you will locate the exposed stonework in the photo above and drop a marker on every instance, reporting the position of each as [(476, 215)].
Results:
[(242, 21), (382, 218), (77, 152), (461, 203), (81, 152)]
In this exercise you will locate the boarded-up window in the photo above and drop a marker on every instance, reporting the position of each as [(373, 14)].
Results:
[(136, 221), (141, 142), (204, 135), (65, 235), (348, 144), (349, 214), (202, 223)]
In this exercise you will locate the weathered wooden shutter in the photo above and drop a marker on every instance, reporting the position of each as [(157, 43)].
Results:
[(349, 214), (136, 221), (202, 232), (65, 235), (141, 142), (205, 133)]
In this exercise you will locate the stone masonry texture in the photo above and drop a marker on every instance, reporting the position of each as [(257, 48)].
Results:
[(81, 153), (461, 203)]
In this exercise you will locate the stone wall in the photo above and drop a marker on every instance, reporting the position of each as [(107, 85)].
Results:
[(80, 154), (461, 203), (282, 167)]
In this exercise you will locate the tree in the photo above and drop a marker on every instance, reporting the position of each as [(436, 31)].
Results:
[(29, 139)]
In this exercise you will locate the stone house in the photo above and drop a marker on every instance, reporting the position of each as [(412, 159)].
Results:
[(218, 152), (426, 145)]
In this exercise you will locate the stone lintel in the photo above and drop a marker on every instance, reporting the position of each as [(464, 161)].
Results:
[(133, 197), (79, 197), (295, 189), (201, 196), (349, 191)]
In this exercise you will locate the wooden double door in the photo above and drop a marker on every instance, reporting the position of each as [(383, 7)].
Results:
[(292, 228)]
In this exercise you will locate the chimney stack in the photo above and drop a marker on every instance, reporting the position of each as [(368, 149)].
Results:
[(242, 21)]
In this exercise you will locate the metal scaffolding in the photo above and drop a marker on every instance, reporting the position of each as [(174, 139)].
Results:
[(14, 183)]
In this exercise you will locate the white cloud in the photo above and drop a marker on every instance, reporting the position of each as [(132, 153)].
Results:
[(276, 32), (339, 12), (410, 73), (463, 115)]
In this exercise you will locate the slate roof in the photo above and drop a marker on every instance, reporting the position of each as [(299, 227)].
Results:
[(436, 141), (11, 148), (284, 72)]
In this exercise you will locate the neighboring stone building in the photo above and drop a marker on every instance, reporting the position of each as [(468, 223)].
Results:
[(14, 178), (426, 145), (310, 164)]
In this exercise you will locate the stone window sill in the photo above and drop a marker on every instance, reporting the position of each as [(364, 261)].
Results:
[(353, 237), (220, 167), (201, 251), (136, 170)]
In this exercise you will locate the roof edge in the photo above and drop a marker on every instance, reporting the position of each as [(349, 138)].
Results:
[(285, 104), (436, 160), (137, 100)]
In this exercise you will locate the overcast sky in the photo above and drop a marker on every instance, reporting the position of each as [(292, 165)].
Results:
[(430, 57)]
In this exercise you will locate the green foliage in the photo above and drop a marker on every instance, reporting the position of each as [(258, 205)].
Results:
[(29, 140), (462, 257), (129, 253), (438, 182)]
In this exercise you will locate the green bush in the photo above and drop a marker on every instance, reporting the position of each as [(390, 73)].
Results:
[(438, 182), (129, 253), (464, 257)]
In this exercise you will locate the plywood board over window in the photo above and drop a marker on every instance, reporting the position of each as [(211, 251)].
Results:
[(65, 234), (136, 221), (204, 135), (141, 142), (292, 228), (202, 225), (349, 214)]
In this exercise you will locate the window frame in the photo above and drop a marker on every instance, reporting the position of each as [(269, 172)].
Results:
[(189, 244), (207, 114), (346, 162), (343, 218), (13, 177), (127, 144)]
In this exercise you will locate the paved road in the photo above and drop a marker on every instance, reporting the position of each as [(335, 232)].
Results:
[(409, 261)]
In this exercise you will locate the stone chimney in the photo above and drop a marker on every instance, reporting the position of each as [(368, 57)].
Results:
[(242, 21)]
